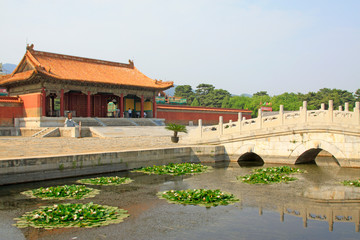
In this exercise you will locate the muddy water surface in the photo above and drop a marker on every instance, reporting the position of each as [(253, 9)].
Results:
[(316, 206)]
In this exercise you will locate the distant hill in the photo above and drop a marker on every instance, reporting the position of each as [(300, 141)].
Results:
[(8, 67), (171, 91)]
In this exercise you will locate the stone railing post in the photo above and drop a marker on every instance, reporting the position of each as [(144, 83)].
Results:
[(259, 118), (239, 120), (340, 108), (200, 127), (281, 114), (346, 107), (221, 125), (304, 111), (331, 111), (357, 113), (322, 106)]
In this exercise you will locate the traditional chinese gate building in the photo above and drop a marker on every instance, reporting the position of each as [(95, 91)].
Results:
[(52, 84)]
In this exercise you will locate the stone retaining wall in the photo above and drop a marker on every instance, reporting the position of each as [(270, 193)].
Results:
[(19, 170)]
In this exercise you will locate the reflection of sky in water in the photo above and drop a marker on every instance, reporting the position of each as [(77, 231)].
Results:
[(278, 211)]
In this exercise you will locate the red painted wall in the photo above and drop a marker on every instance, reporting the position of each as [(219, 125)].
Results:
[(180, 116), (31, 104), (10, 108)]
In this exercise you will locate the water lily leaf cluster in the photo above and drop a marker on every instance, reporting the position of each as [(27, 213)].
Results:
[(280, 170), (106, 181), (72, 215), (353, 183), (175, 169), (270, 175), (202, 197), (62, 192)]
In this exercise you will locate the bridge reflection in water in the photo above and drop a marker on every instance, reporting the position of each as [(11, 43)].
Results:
[(317, 212)]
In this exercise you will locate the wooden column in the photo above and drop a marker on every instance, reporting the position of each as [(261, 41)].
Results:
[(122, 105), (61, 102), (88, 104), (43, 102), (142, 106), (154, 107)]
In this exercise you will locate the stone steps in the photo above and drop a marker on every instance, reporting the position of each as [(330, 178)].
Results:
[(43, 132)]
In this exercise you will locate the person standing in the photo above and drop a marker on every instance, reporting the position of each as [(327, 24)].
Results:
[(130, 112)]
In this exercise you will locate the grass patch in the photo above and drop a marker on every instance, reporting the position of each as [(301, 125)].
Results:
[(201, 197), (270, 175), (105, 181), (71, 215), (175, 169), (352, 183), (62, 192)]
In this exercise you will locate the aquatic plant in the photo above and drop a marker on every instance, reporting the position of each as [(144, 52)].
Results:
[(201, 197), (265, 178), (270, 175), (175, 169), (353, 183), (105, 180), (280, 170), (62, 192), (71, 215)]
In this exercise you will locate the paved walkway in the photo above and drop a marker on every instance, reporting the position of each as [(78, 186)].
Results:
[(134, 139)]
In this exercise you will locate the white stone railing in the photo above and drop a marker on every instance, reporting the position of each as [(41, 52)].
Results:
[(303, 116)]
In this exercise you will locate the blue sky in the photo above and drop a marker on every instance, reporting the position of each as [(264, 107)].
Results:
[(240, 46)]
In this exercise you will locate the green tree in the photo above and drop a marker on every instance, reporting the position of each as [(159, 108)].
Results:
[(226, 102), (185, 91), (290, 101), (195, 103), (215, 98), (357, 95), (261, 93)]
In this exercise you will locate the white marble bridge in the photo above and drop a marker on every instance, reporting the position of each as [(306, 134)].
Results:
[(290, 138)]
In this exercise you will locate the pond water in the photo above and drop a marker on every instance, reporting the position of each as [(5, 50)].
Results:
[(297, 210)]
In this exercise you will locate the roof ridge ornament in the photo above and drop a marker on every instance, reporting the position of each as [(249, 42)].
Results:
[(131, 63), (30, 48)]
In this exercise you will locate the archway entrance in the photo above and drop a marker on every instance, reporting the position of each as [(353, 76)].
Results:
[(250, 159), (317, 156)]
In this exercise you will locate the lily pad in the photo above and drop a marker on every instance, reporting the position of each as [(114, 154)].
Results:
[(71, 215), (175, 169), (201, 197), (352, 183), (62, 192), (105, 181), (270, 175)]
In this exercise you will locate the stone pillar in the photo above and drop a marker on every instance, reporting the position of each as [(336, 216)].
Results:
[(122, 105), (322, 106), (239, 120), (221, 125), (340, 108), (142, 106), (200, 127), (304, 109), (259, 118), (88, 104), (281, 114), (43, 102), (346, 107), (331, 110), (62, 103), (357, 113), (154, 107)]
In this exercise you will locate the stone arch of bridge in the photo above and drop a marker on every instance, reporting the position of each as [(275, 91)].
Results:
[(250, 159), (307, 151), (248, 153)]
